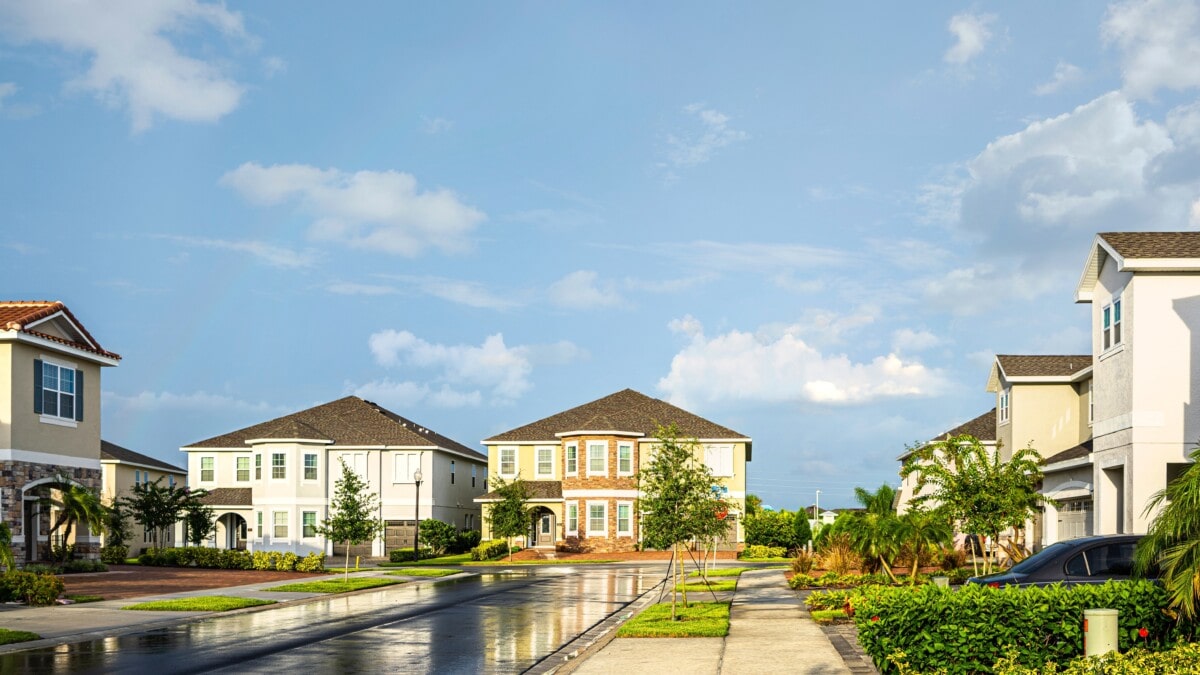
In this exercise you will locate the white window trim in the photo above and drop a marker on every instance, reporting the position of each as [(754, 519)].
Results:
[(288, 525), (588, 513), (1112, 329), (249, 468), (628, 532), (1091, 406), (537, 462), (566, 465), (214, 469), (516, 461), (59, 420), (304, 467), (272, 468), (316, 524), (258, 523), (1004, 407), (568, 531), (621, 445), (588, 446)]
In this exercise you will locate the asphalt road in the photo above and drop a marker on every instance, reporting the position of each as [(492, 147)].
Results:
[(502, 622)]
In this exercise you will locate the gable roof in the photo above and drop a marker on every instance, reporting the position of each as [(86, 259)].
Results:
[(20, 319), (1038, 368), (348, 421), (115, 453), (626, 411), (1139, 252)]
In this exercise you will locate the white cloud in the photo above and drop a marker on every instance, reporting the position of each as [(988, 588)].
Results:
[(273, 65), (370, 210), (698, 146), (666, 285), (351, 288), (436, 125), (275, 256), (557, 220), (741, 366), (971, 33), (1064, 74), (984, 286), (134, 62), (198, 401), (582, 290), (469, 293), (1160, 44), (6, 89), (462, 374), (909, 340), (740, 257)]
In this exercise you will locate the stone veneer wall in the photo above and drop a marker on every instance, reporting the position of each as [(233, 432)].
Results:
[(14, 476), (578, 541)]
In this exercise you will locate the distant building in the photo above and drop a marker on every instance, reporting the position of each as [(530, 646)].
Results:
[(122, 469)]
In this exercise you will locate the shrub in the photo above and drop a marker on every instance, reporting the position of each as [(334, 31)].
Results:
[(38, 568), (114, 554), (467, 540), (265, 560), (57, 550), (437, 535), (286, 562), (1184, 658), (803, 562), (827, 599), (837, 554), (77, 566), (33, 589), (763, 552), (313, 562), (799, 581), (237, 560), (770, 528), (953, 558), (489, 550), (970, 629), (960, 575), (406, 554)]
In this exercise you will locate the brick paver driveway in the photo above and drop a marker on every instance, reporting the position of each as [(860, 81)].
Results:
[(132, 581)]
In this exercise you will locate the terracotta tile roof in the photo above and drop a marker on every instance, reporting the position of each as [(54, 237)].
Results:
[(1082, 450), (114, 452), (346, 421), (1154, 244), (229, 497), (536, 489), (626, 410), (1043, 365), (982, 427), (16, 315)]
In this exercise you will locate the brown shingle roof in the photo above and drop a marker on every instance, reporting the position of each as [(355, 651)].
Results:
[(18, 314), (1154, 244), (1082, 450), (534, 489), (112, 451), (229, 497), (626, 410), (982, 427), (346, 421), (1043, 365)]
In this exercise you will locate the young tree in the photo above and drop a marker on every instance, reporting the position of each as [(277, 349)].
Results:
[(801, 530), (438, 536), (353, 513), (873, 531), (770, 528), (117, 525), (753, 504), (510, 517), (157, 507), (1173, 541), (677, 497), (75, 504), (923, 530), (711, 530), (198, 518)]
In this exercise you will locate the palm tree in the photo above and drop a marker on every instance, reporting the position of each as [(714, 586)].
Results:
[(874, 531), (878, 502), (922, 530), (76, 504), (1173, 542)]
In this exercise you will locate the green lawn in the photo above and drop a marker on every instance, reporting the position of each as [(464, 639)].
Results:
[(723, 572), (8, 637), (456, 559), (828, 615), (504, 561), (336, 586), (422, 572), (204, 603), (699, 619), (701, 587), (781, 560), (85, 598)]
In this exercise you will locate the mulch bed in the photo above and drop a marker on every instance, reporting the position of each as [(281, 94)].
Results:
[(628, 556), (134, 581)]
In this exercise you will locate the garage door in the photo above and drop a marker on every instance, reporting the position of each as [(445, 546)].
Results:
[(1075, 518)]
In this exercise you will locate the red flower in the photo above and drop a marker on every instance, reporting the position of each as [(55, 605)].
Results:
[(875, 618), (1142, 633)]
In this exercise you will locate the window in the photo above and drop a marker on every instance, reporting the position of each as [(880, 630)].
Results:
[(452, 472), (1002, 410), (137, 477), (597, 524), (597, 453), (278, 466), (207, 470), (624, 521), (572, 453), (404, 465), (258, 524), (719, 459), (171, 481), (310, 466), (473, 469), (545, 461), (572, 519), (57, 391), (243, 469), (1091, 407), (508, 461), (308, 521), (280, 519), (624, 459), (258, 467), (1111, 324)]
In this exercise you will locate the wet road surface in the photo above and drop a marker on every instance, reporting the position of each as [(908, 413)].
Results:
[(502, 622)]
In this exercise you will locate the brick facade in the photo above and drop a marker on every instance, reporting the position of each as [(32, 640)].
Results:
[(14, 476), (610, 482)]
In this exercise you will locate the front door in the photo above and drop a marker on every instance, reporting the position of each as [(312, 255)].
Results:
[(545, 530)]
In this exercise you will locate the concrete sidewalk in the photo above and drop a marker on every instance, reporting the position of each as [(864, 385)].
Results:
[(769, 631)]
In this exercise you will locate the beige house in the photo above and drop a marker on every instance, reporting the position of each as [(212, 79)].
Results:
[(122, 469), (271, 483), (582, 465), (982, 427), (49, 417)]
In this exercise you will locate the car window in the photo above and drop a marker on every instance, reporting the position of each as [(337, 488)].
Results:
[(1108, 560), (1037, 559)]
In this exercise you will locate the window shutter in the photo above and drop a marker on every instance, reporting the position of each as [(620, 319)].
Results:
[(78, 395), (37, 386)]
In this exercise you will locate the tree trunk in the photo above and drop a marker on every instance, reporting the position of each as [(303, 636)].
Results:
[(66, 537), (346, 569), (888, 568), (683, 580), (671, 569)]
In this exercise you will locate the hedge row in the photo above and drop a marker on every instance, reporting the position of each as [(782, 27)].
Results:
[(970, 629), (29, 587), (227, 559), (1184, 658), (490, 550), (758, 551)]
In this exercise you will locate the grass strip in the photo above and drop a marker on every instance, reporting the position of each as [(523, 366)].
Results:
[(780, 560), (335, 586), (85, 598), (7, 637), (539, 562), (827, 616), (203, 603), (723, 572), (455, 559), (422, 572), (699, 619), (701, 587)]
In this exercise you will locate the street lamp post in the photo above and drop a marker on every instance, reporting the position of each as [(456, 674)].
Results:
[(817, 506), (417, 517)]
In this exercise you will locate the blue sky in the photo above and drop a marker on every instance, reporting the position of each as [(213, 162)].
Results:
[(813, 224)]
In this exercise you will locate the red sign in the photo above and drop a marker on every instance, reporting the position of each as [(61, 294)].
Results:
[(721, 514)]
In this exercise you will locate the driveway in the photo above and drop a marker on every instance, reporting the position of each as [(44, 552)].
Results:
[(134, 581)]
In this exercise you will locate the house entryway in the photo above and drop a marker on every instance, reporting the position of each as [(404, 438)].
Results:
[(543, 534), (233, 527)]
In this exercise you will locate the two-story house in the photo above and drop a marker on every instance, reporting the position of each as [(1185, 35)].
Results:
[(982, 427), (271, 483), (1144, 289), (49, 418), (581, 469), (122, 469)]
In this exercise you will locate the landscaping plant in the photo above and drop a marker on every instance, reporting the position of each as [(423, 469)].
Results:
[(1173, 541), (353, 512), (510, 517)]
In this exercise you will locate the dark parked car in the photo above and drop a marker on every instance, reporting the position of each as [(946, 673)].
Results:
[(1088, 560)]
